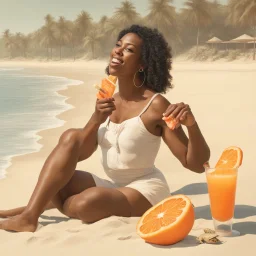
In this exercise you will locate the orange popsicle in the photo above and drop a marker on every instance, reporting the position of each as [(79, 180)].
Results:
[(107, 87)]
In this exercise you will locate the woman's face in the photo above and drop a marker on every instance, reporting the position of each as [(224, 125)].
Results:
[(125, 58)]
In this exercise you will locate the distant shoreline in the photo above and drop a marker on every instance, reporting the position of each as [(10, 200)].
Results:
[(204, 54)]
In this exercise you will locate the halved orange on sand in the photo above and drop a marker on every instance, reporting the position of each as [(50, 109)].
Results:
[(231, 157), (168, 222)]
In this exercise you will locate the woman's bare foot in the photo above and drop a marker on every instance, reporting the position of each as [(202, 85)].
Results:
[(11, 212), (19, 210), (19, 223), (3, 214)]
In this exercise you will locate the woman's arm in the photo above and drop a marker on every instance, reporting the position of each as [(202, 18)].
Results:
[(191, 151), (90, 143), (103, 108)]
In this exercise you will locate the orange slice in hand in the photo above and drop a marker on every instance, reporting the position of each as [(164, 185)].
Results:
[(231, 157), (108, 88), (167, 222), (171, 122)]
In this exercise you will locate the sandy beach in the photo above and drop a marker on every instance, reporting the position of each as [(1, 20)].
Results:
[(221, 96)]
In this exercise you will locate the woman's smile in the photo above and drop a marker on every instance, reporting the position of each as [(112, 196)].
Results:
[(115, 61)]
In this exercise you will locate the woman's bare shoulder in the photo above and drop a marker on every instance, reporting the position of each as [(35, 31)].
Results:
[(160, 104), (157, 108)]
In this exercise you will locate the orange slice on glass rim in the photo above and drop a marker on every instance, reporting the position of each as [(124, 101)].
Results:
[(230, 158)]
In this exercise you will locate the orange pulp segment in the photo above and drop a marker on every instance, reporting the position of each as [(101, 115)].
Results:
[(170, 121)]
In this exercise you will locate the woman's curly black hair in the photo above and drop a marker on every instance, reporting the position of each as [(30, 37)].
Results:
[(156, 57)]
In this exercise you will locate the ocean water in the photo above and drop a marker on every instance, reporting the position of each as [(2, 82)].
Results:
[(28, 104)]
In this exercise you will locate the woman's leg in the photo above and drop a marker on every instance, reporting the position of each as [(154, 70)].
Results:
[(79, 182), (97, 203), (58, 169)]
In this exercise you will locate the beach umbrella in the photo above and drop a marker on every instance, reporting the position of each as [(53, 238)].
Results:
[(243, 39), (254, 44), (214, 41), (227, 43)]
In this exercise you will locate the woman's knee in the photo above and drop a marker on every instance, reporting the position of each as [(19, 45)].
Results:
[(70, 137), (90, 207)]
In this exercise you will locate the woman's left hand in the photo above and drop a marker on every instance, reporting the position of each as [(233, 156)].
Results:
[(182, 113)]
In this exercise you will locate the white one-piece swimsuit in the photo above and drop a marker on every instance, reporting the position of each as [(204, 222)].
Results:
[(128, 152)]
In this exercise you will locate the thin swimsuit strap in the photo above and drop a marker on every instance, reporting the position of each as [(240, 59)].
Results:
[(146, 107)]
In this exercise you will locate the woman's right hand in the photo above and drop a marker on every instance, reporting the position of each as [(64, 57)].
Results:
[(103, 109)]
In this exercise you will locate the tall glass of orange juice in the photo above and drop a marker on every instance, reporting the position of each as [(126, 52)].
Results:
[(222, 191)]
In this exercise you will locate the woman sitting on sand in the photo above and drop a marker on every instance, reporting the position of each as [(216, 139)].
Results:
[(128, 128)]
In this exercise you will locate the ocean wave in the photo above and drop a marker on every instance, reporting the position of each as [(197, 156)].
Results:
[(26, 141), (6, 161), (11, 69), (56, 78)]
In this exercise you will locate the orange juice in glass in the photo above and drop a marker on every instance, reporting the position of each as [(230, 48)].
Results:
[(222, 190)]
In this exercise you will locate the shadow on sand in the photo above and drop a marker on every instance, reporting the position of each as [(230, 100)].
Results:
[(189, 241), (192, 189), (241, 212), (52, 220)]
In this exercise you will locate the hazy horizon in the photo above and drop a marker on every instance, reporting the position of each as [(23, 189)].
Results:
[(28, 15)]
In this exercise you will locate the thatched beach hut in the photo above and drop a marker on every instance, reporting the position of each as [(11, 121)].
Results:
[(228, 44), (243, 39), (214, 41)]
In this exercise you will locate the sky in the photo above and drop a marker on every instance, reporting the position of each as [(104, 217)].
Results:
[(28, 15)]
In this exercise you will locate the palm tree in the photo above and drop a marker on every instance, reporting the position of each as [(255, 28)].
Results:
[(63, 32), (49, 20), (113, 28), (74, 37), (126, 14), (17, 39), (46, 35), (162, 15), (198, 15), (8, 41), (83, 21), (22, 43), (243, 13), (93, 39), (7, 34), (102, 24), (105, 28), (123, 17), (35, 40)]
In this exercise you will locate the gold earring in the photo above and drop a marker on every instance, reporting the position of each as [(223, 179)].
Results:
[(140, 70)]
